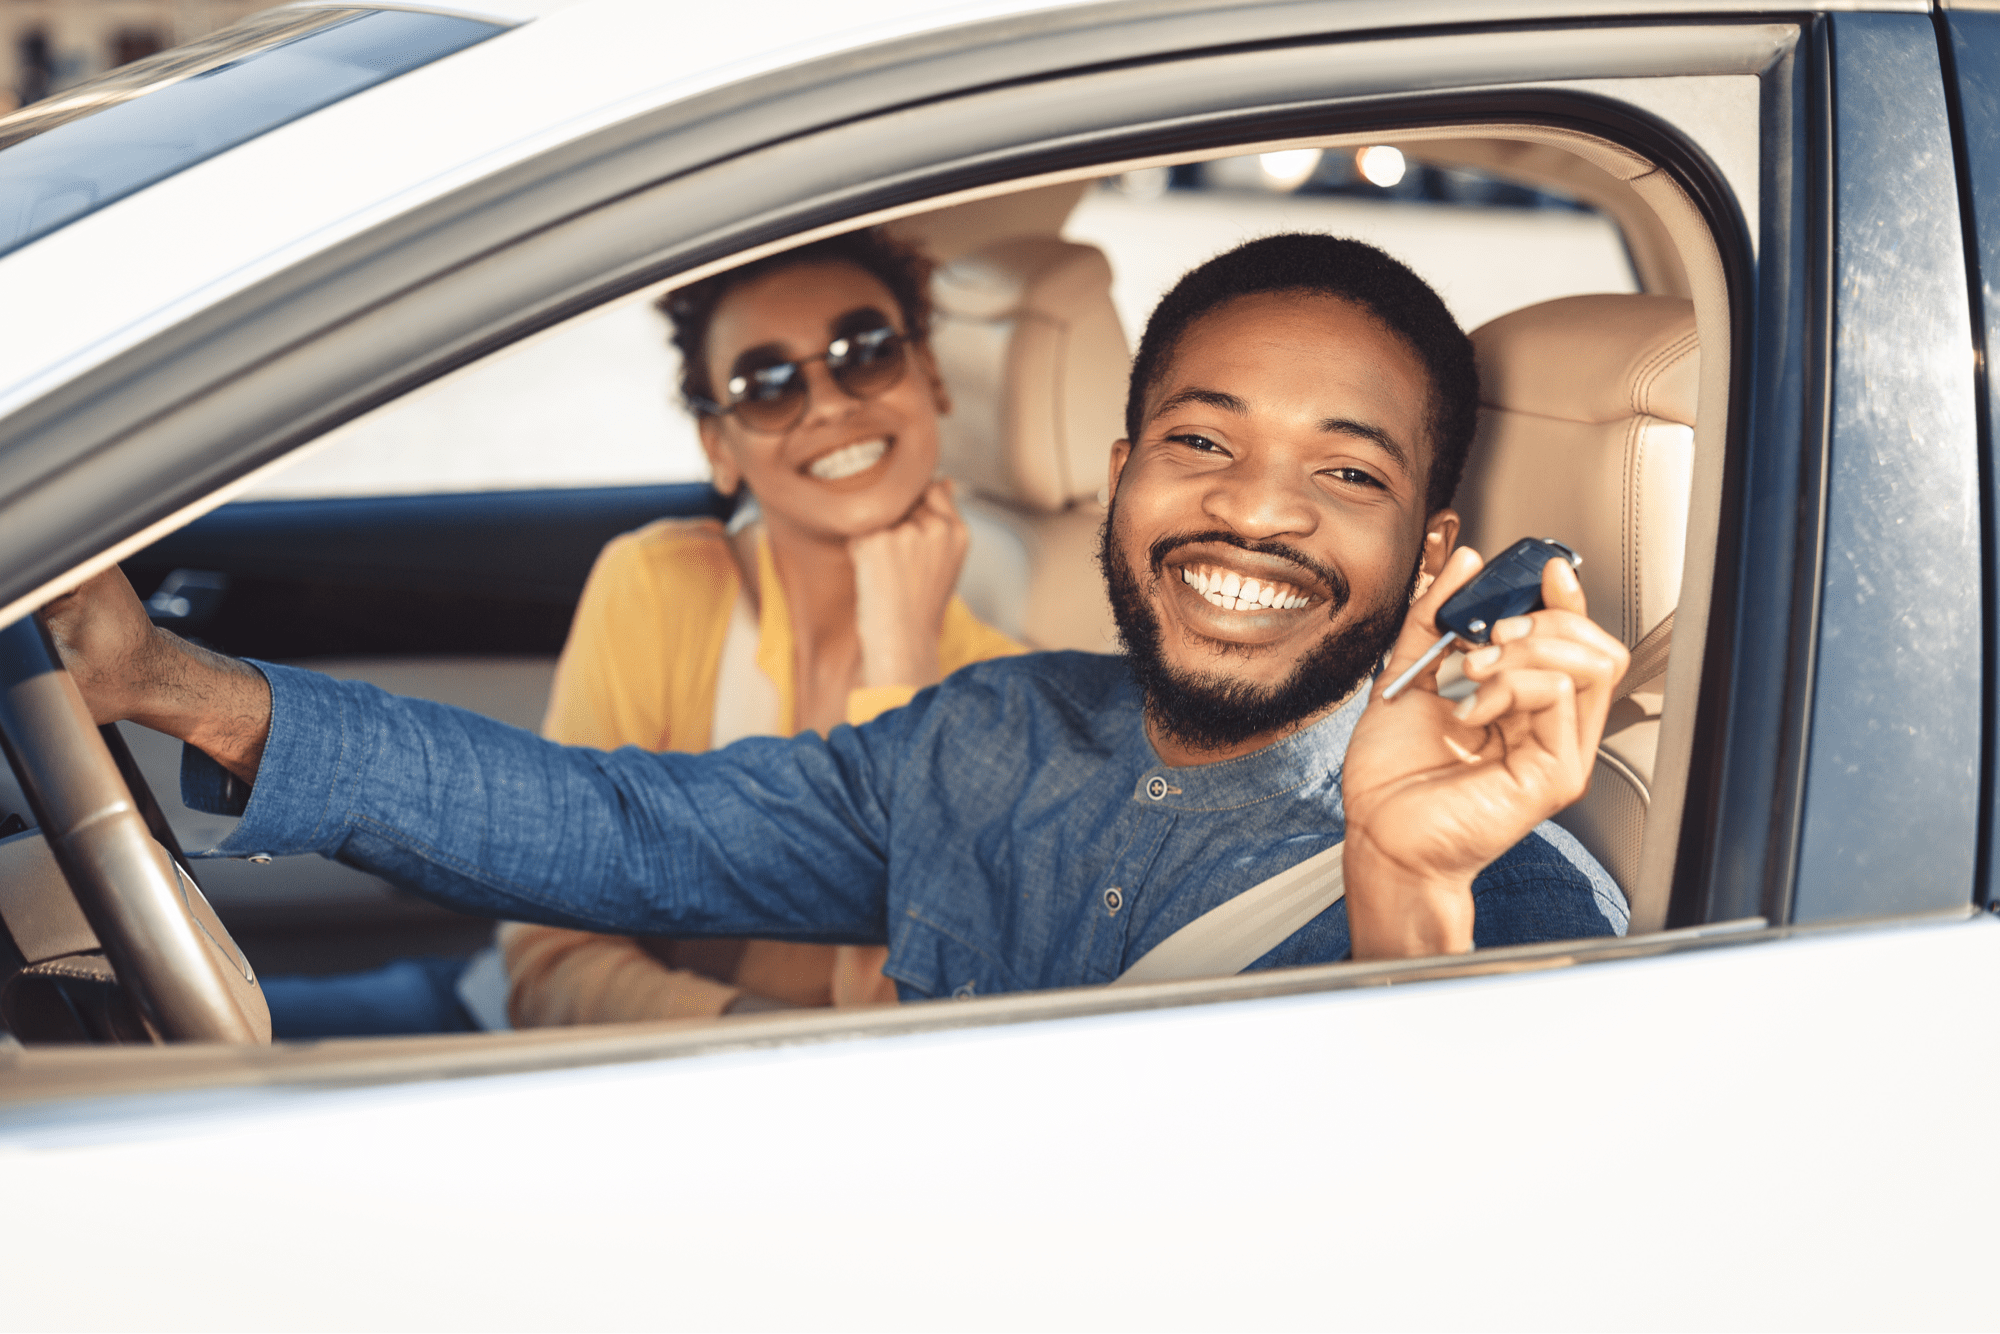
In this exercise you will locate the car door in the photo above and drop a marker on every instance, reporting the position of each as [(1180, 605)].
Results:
[(1741, 1113)]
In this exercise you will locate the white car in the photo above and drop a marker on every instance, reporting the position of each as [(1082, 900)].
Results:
[(1745, 375)]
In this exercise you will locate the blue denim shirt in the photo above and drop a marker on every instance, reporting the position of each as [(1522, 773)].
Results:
[(1011, 828)]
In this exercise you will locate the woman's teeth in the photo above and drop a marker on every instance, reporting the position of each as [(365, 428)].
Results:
[(1232, 592), (848, 460)]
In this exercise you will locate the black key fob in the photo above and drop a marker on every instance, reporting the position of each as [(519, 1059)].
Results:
[(1510, 585)]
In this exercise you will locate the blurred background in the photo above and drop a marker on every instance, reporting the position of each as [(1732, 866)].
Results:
[(53, 44)]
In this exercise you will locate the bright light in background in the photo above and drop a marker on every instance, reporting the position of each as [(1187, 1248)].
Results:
[(1381, 164), (1144, 183), (1288, 169)]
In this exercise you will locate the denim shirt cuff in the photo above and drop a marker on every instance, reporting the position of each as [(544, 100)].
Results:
[(284, 812)]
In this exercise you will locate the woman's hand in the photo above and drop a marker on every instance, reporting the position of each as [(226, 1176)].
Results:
[(903, 580), (126, 667), (1434, 792)]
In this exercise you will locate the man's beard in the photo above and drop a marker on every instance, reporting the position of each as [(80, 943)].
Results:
[(1213, 710)]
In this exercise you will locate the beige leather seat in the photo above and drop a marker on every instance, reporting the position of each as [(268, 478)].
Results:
[(1586, 435), (1027, 338)]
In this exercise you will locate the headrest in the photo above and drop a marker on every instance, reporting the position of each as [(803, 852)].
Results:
[(1585, 435), (1593, 359), (1032, 350)]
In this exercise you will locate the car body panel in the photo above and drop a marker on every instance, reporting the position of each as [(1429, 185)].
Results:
[(1974, 47), (1546, 1150), (1893, 785)]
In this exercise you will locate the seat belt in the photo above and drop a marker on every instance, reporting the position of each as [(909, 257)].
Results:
[(1649, 658), (1231, 936), (746, 702)]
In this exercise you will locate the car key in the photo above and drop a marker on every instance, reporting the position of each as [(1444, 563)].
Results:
[(1509, 585)]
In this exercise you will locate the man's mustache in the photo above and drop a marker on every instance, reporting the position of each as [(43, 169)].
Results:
[(1330, 578)]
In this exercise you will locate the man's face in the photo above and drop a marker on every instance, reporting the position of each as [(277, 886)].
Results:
[(1286, 444)]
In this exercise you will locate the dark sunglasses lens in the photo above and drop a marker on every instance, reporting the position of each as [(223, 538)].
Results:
[(874, 362), (770, 398)]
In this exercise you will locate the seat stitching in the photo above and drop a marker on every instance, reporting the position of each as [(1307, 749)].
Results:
[(1635, 435), (1644, 374), (1654, 367)]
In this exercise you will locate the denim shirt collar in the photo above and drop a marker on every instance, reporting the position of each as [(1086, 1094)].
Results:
[(1311, 755)]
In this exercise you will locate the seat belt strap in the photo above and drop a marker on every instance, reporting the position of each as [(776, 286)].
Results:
[(1649, 658), (1231, 936)]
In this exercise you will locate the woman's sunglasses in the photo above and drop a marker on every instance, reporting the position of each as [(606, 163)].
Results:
[(773, 398)]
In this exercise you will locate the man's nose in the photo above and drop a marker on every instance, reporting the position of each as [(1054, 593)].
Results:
[(1260, 500)]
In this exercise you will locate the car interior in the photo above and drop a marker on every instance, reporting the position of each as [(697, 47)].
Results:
[(1602, 425)]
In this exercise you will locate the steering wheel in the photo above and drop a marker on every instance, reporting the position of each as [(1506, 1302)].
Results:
[(170, 951)]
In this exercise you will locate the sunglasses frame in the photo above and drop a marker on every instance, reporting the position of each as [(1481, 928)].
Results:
[(836, 359)]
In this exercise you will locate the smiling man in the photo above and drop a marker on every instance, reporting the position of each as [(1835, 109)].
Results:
[(1299, 413)]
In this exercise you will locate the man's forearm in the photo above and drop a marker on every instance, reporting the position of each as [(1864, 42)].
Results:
[(219, 705), (1394, 913)]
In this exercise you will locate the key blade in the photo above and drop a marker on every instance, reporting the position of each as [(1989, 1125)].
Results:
[(1410, 673)]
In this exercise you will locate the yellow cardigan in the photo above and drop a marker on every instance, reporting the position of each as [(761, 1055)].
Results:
[(640, 668)]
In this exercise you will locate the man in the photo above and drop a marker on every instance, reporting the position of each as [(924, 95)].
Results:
[(1298, 416)]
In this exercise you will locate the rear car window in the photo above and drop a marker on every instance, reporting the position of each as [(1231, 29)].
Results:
[(114, 136)]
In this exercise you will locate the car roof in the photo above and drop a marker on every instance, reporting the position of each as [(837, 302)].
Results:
[(109, 280), (124, 273)]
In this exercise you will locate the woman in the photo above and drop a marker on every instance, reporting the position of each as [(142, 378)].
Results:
[(815, 392)]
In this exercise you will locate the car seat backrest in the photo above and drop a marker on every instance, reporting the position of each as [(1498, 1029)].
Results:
[(1586, 435), (1032, 350)]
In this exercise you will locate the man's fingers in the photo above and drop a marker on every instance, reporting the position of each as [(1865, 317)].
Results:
[(1420, 626), (1536, 714), (1560, 587), (1588, 664)]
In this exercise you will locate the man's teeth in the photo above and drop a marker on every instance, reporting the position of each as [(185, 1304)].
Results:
[(1232, 592), (848, 460)]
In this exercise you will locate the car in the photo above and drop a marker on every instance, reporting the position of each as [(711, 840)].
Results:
[(335, 228)]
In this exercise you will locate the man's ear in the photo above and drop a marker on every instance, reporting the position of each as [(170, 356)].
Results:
[(721, 463), (1121, 450), (1440, 539)]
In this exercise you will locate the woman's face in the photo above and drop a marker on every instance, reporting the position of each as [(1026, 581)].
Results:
[(849, 465)]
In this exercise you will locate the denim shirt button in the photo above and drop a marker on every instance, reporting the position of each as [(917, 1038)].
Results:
[(1156, 787), (1114, 899)]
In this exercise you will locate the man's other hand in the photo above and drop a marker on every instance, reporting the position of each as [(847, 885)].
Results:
[(127, 668), (1436, 791)]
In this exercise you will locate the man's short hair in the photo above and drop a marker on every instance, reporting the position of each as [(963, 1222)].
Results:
[(1352, 271)]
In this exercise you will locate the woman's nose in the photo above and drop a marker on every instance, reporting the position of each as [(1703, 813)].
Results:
[(1260, 502), (825, 399)]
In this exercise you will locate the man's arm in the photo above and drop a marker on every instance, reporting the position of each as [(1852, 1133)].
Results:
[(128, 668), (777, 838), (1435, 792)]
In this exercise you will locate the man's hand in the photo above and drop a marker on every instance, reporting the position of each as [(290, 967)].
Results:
[(903, 580), (128, 668), (1435, 792)]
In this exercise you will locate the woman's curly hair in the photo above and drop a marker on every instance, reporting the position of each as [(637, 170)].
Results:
[(902, 268)]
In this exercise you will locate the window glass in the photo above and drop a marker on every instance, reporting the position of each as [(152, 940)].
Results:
[(125, 143)]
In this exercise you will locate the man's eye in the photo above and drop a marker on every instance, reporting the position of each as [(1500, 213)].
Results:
[(1198, 442), (1354, 476)]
